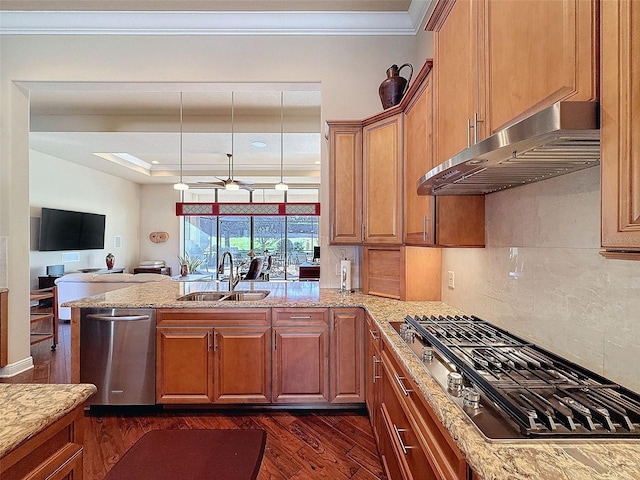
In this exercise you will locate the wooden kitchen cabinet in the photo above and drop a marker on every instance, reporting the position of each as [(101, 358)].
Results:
[(402, 272), (492, 67), (300, 355), (415, 439), (526, 71), (345, 187), (242, 365), (184, 365), (620, 131), (383, 180), (213, 356), (373, 374), (347, 355), (445, 221)]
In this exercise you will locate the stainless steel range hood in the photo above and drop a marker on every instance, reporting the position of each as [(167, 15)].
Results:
[(560, 139)]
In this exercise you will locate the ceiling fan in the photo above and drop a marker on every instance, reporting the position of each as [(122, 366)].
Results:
[(230, 183)]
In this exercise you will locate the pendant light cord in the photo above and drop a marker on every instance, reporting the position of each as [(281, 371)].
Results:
[(181, 138)]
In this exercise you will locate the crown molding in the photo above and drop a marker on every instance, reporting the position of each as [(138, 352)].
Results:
[(213, 23)]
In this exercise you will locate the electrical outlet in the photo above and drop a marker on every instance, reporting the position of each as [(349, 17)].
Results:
[(451, 279)]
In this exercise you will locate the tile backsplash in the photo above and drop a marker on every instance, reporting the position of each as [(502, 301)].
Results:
[(541, 276)]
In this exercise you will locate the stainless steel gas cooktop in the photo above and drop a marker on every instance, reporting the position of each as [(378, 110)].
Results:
[(512, 389)]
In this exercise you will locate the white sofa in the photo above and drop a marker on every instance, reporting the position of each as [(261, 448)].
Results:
[(80, 285)]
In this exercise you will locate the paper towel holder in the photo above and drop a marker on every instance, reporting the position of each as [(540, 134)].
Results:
[(345, 277)]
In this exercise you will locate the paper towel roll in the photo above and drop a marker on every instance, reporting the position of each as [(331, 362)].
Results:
[(345, 275)]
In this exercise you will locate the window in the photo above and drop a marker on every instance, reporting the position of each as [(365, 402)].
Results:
[(285, 242)]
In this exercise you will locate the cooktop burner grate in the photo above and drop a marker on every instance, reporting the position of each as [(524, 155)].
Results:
[(543, 393)]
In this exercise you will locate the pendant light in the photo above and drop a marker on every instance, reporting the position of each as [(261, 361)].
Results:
[(181, 185), (231, 184), (281, 186)]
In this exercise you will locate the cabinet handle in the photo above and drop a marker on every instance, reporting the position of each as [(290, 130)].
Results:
[(476, 121), (469, 128), (424, 228), (374, 334), (215, 341), (209, 341), (375, 376), (404, 389), (402, 445), (300, 317)]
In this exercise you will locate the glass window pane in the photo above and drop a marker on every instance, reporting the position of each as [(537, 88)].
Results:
[(235, 236), (269, 240), (302, 236), (268, 195), (200, 234)]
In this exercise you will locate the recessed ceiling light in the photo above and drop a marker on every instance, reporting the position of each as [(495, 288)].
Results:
[(155, 162), (258, 144), (317, 162)]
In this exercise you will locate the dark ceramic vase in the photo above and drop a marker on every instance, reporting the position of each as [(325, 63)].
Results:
[(393, 88), (111, 260)]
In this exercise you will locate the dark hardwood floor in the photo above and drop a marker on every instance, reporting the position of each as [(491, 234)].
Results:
[(300, 445)]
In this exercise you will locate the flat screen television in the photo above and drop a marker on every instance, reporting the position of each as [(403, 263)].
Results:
[(68, 230)]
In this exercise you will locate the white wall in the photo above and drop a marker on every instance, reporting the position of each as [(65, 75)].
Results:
[(57, 183), (349, 70), (541, 276)]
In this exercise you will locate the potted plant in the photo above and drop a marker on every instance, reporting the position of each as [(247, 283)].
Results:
[(188, 263)]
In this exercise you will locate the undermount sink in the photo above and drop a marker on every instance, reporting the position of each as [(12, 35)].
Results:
[(240, 296)]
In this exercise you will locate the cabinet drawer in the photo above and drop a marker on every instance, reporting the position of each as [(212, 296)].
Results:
[(213, 316), (300, 316), (401, 430), (444, 456)]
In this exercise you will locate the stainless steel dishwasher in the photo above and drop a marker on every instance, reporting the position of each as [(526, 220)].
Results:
[(117, 355)]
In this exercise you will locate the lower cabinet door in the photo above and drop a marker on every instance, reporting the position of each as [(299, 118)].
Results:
[(184, 365), (301, 364), (347, 355), (242, 365)]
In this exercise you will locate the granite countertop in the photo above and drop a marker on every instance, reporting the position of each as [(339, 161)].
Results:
[(542, 460), (27, 409)]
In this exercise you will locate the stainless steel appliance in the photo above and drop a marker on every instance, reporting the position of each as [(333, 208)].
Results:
[(117, 355), (512, 389)]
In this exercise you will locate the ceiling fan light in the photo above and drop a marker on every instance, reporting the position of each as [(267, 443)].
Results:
[(181, 186), (281, 186), (232, 186)]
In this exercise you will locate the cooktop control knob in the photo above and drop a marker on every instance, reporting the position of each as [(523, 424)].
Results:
[(471, 397), (454, 381), (427, 354)]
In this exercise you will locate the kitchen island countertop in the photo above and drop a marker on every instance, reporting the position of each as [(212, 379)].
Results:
[(542, 460), (27, 409)]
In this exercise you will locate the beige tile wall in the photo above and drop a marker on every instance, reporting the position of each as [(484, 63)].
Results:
[(541, 276)]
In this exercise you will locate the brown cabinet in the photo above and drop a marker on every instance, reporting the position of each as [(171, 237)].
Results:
[(300, 355), (184, 365), (525, 71), (56, 453), (213, 356), (383, 180), (373, 374), (493, 67), (620, 133), (415, 442), (419, 210), (44, 311), (4, 328), (345, 188), (433, 221), (402, 272), (347, 355), (242, 365)]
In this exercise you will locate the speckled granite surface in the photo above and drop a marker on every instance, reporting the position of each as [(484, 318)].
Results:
[(26, 409), (585, 460)]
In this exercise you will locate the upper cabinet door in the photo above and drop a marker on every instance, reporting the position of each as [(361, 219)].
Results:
[(345, 165), (456, 81), (382, 173), (418, 159), (620, 133), (537, 53)]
